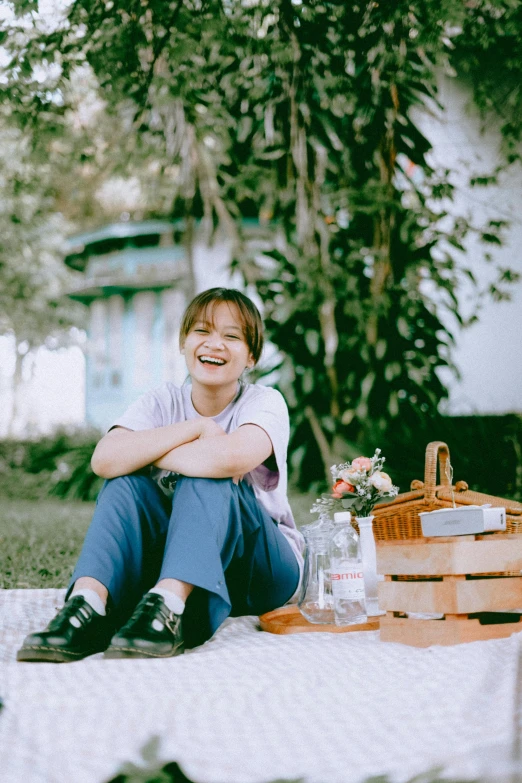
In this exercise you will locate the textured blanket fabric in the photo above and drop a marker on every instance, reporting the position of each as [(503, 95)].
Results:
[(235, 711)]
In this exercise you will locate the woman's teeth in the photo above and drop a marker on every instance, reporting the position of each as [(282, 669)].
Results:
[(211, 360)]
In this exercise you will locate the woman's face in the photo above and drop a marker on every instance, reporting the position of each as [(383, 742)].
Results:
[(217, 353)]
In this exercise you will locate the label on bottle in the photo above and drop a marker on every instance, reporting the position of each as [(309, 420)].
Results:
[(348, 582)]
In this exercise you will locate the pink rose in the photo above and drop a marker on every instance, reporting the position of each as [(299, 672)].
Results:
[(362, 463), (340, 487)]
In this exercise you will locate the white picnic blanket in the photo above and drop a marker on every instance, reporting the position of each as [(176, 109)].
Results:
[(250, 707)]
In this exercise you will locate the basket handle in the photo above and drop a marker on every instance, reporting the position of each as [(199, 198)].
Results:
[(435, 449)]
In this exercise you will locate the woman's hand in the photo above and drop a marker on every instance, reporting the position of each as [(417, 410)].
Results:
[(210, 428)]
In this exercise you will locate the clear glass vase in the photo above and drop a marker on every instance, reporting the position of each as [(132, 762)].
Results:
[(315, 598)]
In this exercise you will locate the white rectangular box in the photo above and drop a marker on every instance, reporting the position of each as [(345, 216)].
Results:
[(462, 521)]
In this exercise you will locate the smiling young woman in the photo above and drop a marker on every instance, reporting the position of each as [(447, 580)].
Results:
[(193, 523)]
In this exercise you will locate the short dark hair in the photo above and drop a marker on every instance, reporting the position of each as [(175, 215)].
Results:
[(251, 320)]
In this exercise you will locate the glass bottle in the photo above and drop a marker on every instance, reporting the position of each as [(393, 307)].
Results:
[(315, 598), (346, 572)]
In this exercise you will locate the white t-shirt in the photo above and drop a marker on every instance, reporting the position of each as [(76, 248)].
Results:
[(254, 404)]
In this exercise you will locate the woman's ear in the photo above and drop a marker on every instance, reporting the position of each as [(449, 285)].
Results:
[(250, 362)]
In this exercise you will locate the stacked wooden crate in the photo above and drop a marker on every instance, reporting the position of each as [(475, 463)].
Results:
[(472, 585)]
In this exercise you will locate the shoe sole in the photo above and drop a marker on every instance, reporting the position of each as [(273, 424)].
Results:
[(132, 652), (50, 655)]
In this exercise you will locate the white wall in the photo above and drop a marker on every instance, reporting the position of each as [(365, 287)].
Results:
[(52, 392), (488, 353)]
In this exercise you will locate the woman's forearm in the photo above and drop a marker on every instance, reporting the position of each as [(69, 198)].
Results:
[(220, 457), (123, 451), (205, 458)]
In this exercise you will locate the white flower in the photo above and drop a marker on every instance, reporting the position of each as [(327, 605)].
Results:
[(381, 481), (350, 476)]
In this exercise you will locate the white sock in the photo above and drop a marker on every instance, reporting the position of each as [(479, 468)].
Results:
[(173, 601), (92, 598)]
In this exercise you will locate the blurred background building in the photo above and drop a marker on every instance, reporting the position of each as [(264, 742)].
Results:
[(134, 288), (138, 281)]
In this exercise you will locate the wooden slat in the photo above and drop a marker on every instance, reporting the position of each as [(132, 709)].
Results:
[(453, 595), (424, 633), (462, 555)]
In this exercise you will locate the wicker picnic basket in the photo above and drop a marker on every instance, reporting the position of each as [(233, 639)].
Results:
[(399, 519)]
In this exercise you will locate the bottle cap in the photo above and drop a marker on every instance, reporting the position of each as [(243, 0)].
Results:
[(342, 516)]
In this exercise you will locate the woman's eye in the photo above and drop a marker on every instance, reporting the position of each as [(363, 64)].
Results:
[(201, 331), (232, 336)]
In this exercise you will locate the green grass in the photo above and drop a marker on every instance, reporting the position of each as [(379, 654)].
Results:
[(301, 505), (40, 540)]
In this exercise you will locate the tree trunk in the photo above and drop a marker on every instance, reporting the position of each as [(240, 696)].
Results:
[(16, 386), (322, 443), (189, 247)]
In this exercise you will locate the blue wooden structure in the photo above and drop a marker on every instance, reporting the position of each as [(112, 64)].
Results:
[(136, 289)]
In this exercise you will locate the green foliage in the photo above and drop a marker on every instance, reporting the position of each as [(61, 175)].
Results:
[(152, 770), (354, 299), (486, 451), (488, 52), (32, 275), (300, 115), (57, 465)]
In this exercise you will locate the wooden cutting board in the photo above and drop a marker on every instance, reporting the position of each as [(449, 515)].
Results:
[(288, 619)]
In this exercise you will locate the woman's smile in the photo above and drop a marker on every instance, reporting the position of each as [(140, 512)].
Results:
[(217, 361)]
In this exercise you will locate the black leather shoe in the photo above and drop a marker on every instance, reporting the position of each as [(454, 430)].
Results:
[(153, 631), (76, 631)]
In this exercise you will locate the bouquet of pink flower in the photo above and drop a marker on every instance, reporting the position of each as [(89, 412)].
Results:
[(358, 486)]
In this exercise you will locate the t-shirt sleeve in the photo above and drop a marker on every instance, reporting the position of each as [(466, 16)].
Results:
[(144, 414), (268, 410)]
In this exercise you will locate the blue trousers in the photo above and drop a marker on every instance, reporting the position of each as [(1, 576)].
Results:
[(212, 534)]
